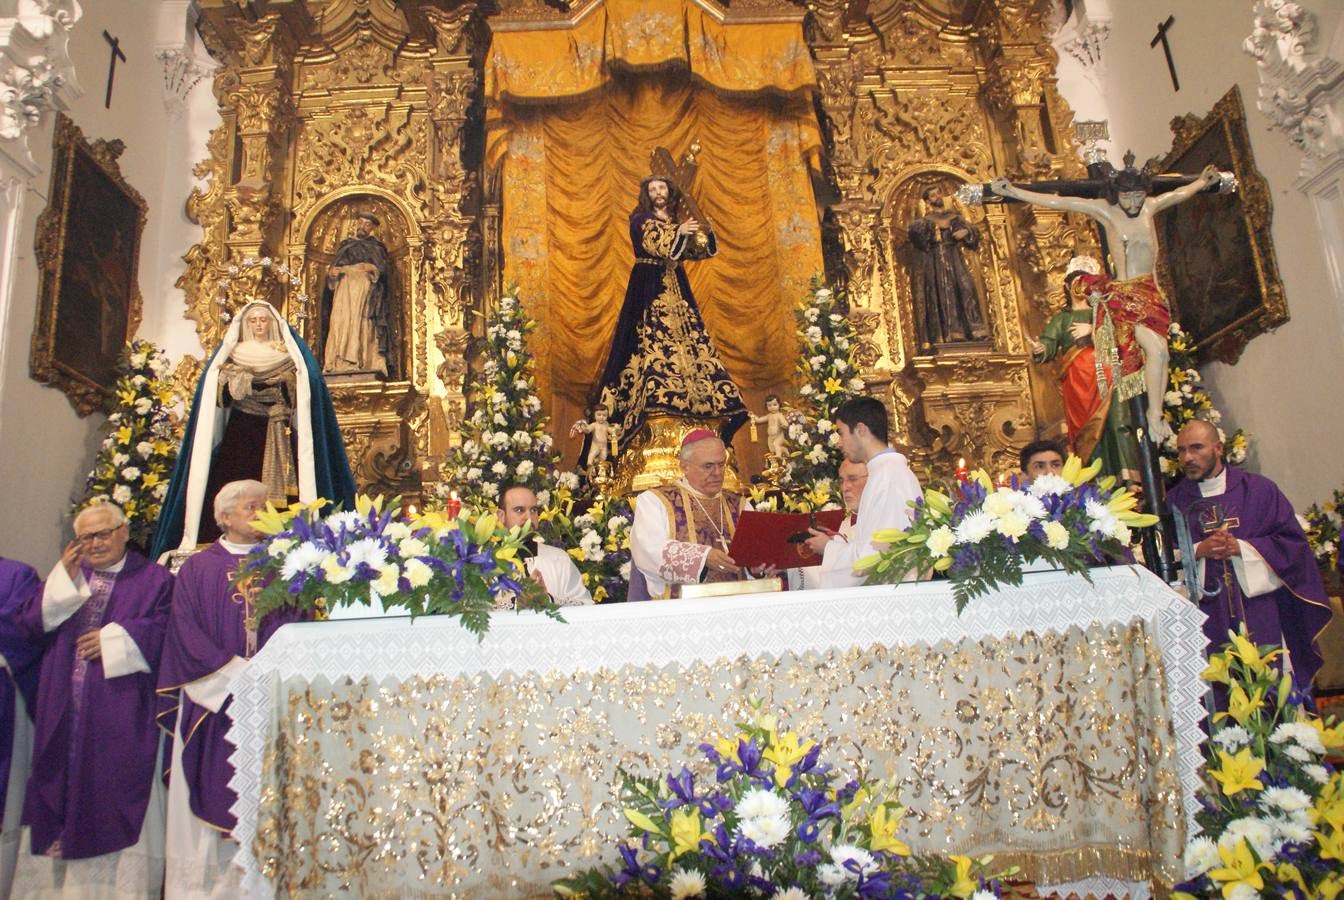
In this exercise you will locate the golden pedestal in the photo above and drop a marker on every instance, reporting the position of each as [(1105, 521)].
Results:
[(652, 457)]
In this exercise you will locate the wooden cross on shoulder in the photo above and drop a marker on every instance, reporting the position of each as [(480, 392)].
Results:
[(680, 176)]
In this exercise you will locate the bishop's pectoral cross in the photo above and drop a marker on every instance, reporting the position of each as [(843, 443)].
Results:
[(112, 65)]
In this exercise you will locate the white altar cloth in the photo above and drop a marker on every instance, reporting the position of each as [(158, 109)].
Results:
[(688, 631)]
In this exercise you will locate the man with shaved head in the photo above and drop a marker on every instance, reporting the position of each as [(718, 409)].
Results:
[(1254, 561)]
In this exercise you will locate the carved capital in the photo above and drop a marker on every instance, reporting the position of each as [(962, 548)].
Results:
[(452, 36), (35, 71), (182, 71), (265, 42)]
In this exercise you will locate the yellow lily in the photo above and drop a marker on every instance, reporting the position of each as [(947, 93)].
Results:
[(889, 536), (833, 386), (883, 828), (641, 821), (484, 527), (937, 501), (149, 479), (686, 831), (271, 521), (1238, 773), (861, 796), (1239, 867), (785, 751), (1332, 845), (1332, 738), (981, 476), (432, 520), (1329, 806), (1106, 483), (1331, 888), (1241, 706), (1246, 650), (1217, 670), (364, 503), (123, 434), (963, 885), (1072, 466), (600, 594), (1287, 873)]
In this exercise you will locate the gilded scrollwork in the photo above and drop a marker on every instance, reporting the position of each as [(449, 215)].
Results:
[(328, 108), (910, 94)]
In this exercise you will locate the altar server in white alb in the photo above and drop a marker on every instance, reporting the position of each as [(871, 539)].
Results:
[(551, 567), (861, 423)]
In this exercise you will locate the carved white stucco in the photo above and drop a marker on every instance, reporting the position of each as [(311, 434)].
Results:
[(36, 74)]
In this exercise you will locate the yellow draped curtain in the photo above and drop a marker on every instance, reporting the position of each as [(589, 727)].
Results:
[(570, 173)]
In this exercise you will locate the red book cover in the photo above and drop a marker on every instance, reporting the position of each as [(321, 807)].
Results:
[(776, 539)]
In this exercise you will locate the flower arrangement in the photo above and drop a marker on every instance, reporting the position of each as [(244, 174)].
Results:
[(598, 537), (774, 822), (981, 535), (430, 565), (505, 439), (1186, 400), (1323, 527), (828, 377), (137, 454), (1273, 809)]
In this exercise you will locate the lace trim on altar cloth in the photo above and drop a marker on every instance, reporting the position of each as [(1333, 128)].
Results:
[(682, 562), (704, 630)]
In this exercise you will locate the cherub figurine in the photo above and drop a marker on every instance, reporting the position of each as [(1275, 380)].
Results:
[(604, 436), (776, 427)]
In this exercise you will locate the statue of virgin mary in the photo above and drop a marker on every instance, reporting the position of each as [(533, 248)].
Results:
[(261, 411)]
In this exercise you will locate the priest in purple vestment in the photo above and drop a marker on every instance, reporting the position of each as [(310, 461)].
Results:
[(1256, 564), (100, 619), (211, 635), (20, 658)]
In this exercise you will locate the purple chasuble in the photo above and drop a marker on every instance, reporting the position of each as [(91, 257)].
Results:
[(1255, 511), (95, 742), (206, 631), (18, 583)]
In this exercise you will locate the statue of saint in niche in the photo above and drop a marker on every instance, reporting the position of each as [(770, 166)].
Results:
[(357, 305), (947, 304)]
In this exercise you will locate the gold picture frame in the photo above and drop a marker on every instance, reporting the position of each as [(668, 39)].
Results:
[(88, 253), (1217, 263)]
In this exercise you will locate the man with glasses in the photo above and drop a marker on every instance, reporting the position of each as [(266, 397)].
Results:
[(93, 812)]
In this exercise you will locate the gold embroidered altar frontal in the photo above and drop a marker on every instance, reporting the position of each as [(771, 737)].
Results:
[(1053, 749)]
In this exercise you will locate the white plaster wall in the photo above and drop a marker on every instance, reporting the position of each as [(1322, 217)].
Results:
[(45, 448), (1285, 388)]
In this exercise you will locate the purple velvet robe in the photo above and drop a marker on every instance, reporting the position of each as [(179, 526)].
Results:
[(1264, 518), (18, 583), (206, 631), (92, 772)]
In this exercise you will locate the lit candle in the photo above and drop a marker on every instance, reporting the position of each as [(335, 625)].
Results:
[(454, 505), (410, 511), (963, 474)]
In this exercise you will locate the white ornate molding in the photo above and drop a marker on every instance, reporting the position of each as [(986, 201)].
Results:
[(182, 71), (175, 47), (1301, 81), (36, 74), (1083, 35)]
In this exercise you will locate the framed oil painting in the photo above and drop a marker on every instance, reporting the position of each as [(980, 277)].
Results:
[(1217, 263), (88, 251)]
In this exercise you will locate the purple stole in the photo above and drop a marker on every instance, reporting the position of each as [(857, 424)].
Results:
[(1254, 510), (697, 520), (95, 744)]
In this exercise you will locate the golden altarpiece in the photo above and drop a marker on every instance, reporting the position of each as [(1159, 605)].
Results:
[(828, 119)]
